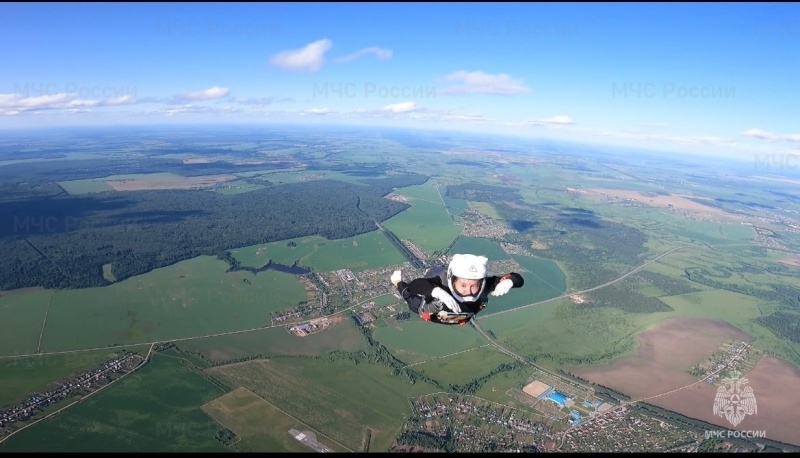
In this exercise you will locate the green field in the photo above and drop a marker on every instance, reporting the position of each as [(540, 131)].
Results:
[(417, 340), (562, 333), (425, 192), (387, 299), (279, 252), (487, 209), (191, 298), (361, 252), (156, 408), (709, 232), (336, 398), (544, 278), (293, 172), (21, 316), (464, 367), (559, 333), (260, 426), (455, 206), (426, 222), (236, 187), (277, 341), (21, 377), (479, 246), (88, 186)]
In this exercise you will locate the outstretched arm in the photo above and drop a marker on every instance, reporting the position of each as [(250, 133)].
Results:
[(499, 285)]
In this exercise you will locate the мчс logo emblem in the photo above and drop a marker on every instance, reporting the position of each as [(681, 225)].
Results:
[(735, 400)]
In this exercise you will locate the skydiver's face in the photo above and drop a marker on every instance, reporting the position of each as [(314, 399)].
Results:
[(466, 287)]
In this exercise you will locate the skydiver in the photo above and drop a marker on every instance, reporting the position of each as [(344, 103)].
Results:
[(453, 295)]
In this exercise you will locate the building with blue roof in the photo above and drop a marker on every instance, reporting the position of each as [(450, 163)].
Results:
[(558, 398)]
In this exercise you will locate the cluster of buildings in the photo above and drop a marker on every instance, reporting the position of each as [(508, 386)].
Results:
[(476, 224), (477, 427), (90, 380), (729, 357), (310, 327)]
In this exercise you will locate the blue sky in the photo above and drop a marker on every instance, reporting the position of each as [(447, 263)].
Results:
[(718, 79)]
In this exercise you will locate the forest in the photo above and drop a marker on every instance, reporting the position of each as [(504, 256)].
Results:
[(63, 241)]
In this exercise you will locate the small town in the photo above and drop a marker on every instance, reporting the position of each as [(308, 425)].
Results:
[(453, 423), (81, 384), (734, 356)]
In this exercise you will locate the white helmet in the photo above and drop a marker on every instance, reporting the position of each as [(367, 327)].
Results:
[(469, 267)]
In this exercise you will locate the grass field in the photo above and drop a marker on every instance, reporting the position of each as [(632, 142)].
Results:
[(21, 316), (260, 426), (191, 298), (361, 252), (236, 187), (277, 341), (157, 408), (366, 251), (424, 192), (558, 332), (279, 252), (294, 173), (562, 331), (486, 208), (462, 368), (90, 185), (21, 377), (455, 206), (416, 340), (336, 398), (426, 223), (78, 187), (479, 246), (387, 299), (544, 278), (738, 310), (710, 232)]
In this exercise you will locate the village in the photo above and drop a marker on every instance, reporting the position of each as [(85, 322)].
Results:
[(730, 357), (479, 425), (83, 383)]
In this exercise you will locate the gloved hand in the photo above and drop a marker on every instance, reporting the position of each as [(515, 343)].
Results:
[(503, 287), (396, 277), (448, 300)]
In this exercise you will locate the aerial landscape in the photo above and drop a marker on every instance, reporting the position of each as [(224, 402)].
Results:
[(223, 285)]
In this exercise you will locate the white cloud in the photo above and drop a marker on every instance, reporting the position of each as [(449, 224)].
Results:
[(380, 53), (260, 101), (44, 100), (14, 104), (309, 58), (760, 134), (121, 100), (554, 121), (769, 136), (189, 108), (402, 107), (83, 103), (320, 111), (463, 82), (211, 93), (560, 119)]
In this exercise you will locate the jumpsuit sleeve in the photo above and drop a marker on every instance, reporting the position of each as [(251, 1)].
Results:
[(516, 279), (417, 292)]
